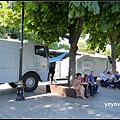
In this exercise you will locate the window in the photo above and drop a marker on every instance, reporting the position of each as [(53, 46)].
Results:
[(40, 50)]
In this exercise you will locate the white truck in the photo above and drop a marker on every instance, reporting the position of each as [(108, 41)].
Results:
[(35, 65), (84, 64)]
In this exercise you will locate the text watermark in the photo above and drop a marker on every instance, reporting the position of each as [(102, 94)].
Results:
[(111, 105)]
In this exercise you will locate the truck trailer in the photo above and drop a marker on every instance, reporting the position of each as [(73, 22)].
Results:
[(84, 64)]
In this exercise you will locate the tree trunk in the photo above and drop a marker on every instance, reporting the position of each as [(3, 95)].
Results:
[(113, 56), (72, 65), (75, 32)]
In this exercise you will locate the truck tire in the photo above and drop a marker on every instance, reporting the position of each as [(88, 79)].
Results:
[(13, 85), (30, 82)]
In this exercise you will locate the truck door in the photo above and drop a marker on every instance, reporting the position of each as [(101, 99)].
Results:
[(41, 62)]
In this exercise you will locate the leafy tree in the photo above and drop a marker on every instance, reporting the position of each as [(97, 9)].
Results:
[(60, 19), (107, 52), (56, 46), (64, 46), (10, 22), (106, 29), (82, 47)]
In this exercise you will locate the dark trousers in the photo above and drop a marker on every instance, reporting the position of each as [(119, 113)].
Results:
[(52, 71), (106, 83), (103, 83), (116, 84), (110, 83), (91, 88), (95, 88), (85, 86)]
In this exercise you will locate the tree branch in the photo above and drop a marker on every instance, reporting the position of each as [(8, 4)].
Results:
[(64, 34), (79, 29)]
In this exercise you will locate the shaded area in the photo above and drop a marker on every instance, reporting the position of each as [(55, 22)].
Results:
[(39, 104)]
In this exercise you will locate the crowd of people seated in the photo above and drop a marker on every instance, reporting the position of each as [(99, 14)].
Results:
[(109, 79), (81, 84)]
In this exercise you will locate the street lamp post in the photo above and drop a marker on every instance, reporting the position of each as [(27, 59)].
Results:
[(20, 87)]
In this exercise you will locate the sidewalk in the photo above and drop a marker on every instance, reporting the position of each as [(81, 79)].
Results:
[(39, 104)]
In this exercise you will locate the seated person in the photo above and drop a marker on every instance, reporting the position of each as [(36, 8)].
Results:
[(108, 74), (111, 79), (80, 90), (91, 79), (116, 80), (86, 80), (104, 79), (101, 79)]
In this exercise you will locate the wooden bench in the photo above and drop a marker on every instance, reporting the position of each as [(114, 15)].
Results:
[(62, 90)]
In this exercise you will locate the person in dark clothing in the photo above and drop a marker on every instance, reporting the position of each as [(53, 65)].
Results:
[(117, 80), (52, 71), (88, 85), (95, 86)]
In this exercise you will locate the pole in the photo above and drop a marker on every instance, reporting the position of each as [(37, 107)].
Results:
[(20, 89)]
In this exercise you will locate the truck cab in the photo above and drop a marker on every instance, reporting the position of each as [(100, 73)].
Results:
[(35, 63)]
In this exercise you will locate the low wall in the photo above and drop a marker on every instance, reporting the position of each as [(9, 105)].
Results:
[(62, 90)]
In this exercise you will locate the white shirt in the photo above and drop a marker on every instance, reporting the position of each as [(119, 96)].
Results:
[(101, 76), (105, 77), (112, 76)]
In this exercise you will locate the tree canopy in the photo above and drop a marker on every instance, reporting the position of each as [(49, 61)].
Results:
[(106, 29)]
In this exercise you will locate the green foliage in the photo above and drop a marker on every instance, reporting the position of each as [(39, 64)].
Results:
[(105, 29), (10, 21), (115, 8), (56, 46), (78, 9), (107, 52), (94, 7), (64, 46), (46, 23), (104, 26), (101, 27), (83, 47), (77, 4)]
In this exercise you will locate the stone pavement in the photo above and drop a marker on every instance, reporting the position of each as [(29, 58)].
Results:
[(39, 104)]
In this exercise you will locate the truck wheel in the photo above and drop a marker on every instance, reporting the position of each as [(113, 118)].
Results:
[(13, 85), (30, 82)]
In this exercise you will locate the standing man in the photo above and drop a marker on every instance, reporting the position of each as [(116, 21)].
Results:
[(91, 79), (52, 71)]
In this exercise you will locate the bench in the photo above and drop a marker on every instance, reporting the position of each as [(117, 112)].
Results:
[(62, 90)]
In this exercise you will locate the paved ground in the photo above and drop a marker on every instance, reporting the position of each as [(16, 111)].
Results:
[(39, 104)]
